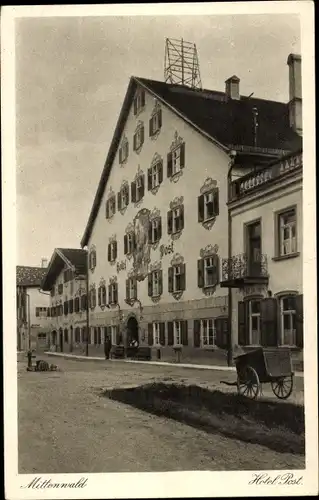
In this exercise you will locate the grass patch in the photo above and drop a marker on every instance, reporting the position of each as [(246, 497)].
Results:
[(276, 425)]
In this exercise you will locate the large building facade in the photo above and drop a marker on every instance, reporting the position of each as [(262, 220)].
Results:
[(33, 309), (264, 270), (158, 226), (66, 283)]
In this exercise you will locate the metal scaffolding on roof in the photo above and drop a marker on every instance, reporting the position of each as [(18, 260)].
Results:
[(181, 63)]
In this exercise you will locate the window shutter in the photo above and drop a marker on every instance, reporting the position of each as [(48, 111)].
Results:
[(115, 250), (142, 186), (200, 273), (133, 241), (151, 127), (125, 244), (120, 154), (182, 216), (159, 228), (170, 333), (109, 252), (127, 194), (170, 279), (219, 332), (159, 118), (99, 296), (134, 142), (201, 209), (119, 200), (118, 335), (110, 293), (216, 201), (135, 289), (160, 172), (196, 333), (299, 320), (150, 334), (142, 135), (135, 106), (116, 293), (94, 258), (133, 192), (184, 332), (149, 179), (126, 150), (183, 277), (160, 282), (150, 231), (149, 284), (242, 323), (162, 333), (169, 164), (127, 285), (182, 157), (169, 222), (269, 322), (143, 98)]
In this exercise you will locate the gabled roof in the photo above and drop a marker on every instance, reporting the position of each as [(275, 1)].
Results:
[(223, 121), (28, 276), (73, 258)]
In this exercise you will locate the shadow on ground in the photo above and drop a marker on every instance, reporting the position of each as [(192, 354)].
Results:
[(278, 426)]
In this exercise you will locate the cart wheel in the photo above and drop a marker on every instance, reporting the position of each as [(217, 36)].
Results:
[(248, 383), (282, 387)]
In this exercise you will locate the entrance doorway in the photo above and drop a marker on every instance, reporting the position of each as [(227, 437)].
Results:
[(254, 248), (132, 330), (61, 339)]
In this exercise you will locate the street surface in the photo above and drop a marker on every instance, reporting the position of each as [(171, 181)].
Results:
[(66, 426)]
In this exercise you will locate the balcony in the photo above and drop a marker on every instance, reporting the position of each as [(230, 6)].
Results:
[(261, 178), (240, 271)]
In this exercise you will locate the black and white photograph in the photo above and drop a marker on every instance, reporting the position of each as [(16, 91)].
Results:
[(160, 310)]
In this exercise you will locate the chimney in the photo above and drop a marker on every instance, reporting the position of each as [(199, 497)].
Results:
[(295, 95), (44, 262), (232, 87)]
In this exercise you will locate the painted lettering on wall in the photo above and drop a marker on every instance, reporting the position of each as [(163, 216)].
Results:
[(166, 249), (121, 266)]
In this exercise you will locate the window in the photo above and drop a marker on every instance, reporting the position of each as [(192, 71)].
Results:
[(139, 101), (110, 207), (175, 220), (77, 335), (60, 288), (123, 152), (137, 189), (114, 336), (83, 302), (92, 296), (71, 306), (67, 275), (138, 138), (113, 293), (123, 197), (155, 123), (66, 335), (254, 322), (288, 320), (287, 232), (176, 160), (207, 332), (97, 335), (102, 295), (155, 230), (77, 304), (155, 283), (92, 259), (112, 251), (66, 308), (176, 278), (131, 289), (52, 291), (41, 312), (129, 243), (208, 271), (156, 333), (208, 205), (155, 175), (177, 329)]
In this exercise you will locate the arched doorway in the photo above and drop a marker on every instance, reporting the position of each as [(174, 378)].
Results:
[(132, 330), (61, 339)]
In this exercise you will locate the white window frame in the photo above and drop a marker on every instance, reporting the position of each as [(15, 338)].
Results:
[(292, 331), (176, 160), (112, 251), (155, 283), (209, 259), (177, 332), (155, 175), (252, 315), (113, 334), (208, 198), (176, 274), (205, 326), (156, 333), (154, 228), (287, 246), (176, 217)]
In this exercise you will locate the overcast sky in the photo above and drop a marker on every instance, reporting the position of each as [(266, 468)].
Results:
[(71, 78)]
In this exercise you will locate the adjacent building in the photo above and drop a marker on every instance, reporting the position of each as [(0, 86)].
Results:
[(158, 228), (32, 308), (66, 282)]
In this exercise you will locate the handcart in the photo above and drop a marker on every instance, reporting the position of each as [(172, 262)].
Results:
[(261, 366)]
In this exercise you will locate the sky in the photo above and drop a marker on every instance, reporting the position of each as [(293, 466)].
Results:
[(71, 77)]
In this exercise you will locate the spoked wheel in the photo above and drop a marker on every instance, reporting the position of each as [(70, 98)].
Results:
[(248, 382), (282, 387)]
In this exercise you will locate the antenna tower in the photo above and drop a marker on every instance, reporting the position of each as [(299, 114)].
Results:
[(181, 63)]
